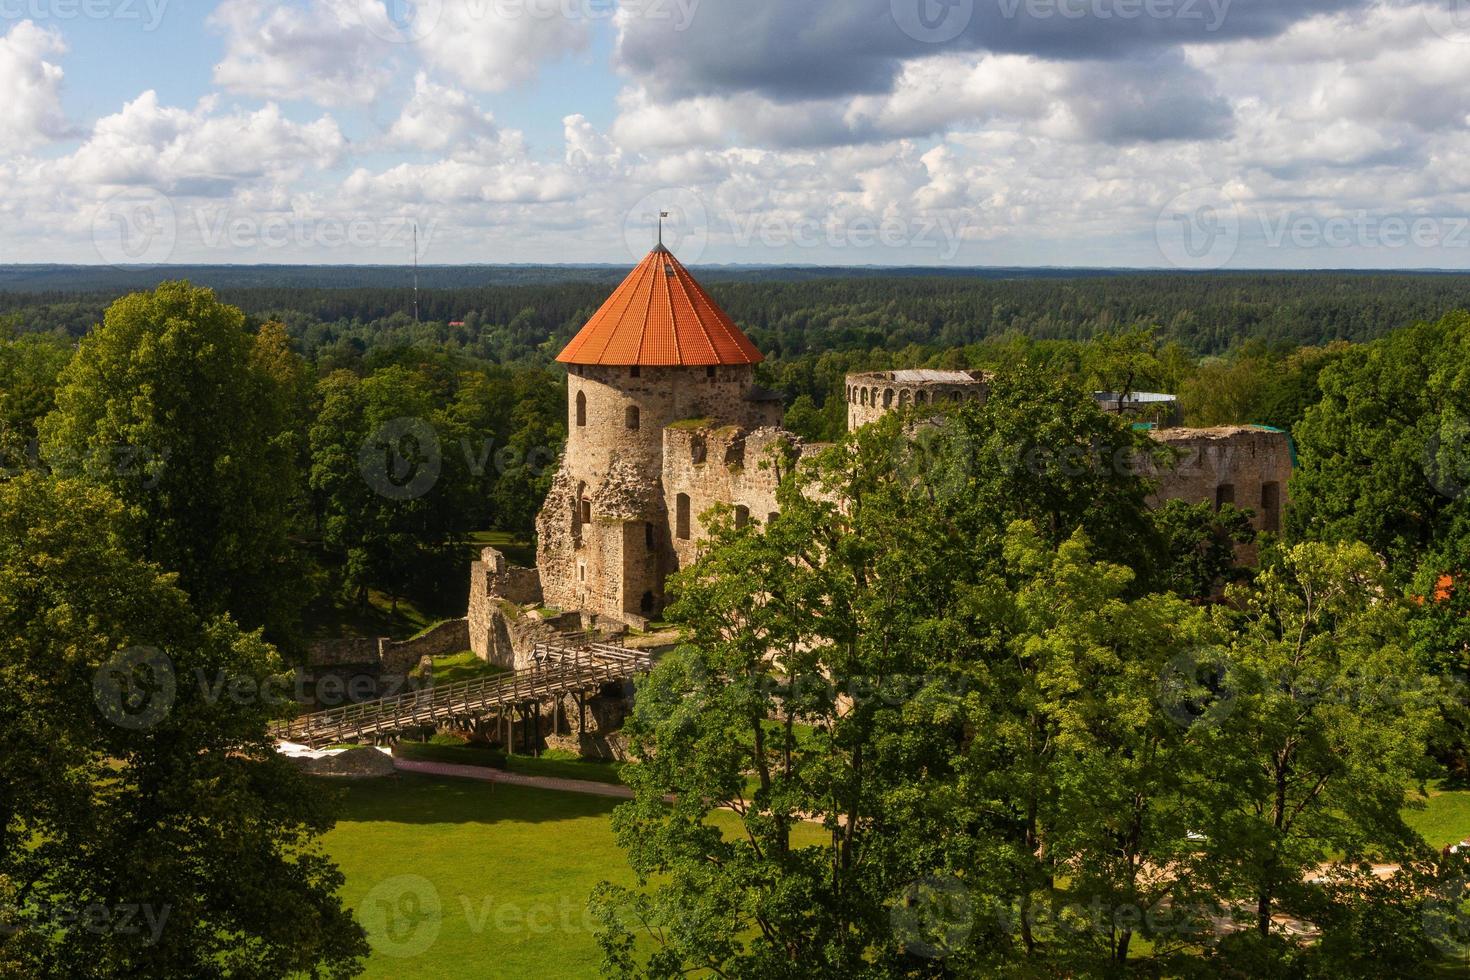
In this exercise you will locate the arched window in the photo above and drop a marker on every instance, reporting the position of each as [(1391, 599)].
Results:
[(681, 516), (1271, 507), (632, 416), (1224, 494), (584, 506), (742, 515), (645, 605), (887, 397), (581, 409), (648, 538), (698, 450), (863, 397)]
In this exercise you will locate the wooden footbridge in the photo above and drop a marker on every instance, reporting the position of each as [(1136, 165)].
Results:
[(556, 670)]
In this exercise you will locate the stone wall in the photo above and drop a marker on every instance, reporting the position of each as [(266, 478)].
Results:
[(711, 464), (1247, 466), (871, 396), (399, 657)]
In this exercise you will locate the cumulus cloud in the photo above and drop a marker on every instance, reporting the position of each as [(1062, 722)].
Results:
[(825, 48), (200, 151), (32, 87), (492, 46), (438, 116), (321, 50)]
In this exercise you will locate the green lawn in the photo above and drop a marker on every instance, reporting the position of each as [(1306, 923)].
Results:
[(1445, 818), (455, 667), (455, 878)]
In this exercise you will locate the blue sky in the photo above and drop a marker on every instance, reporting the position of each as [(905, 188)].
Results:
[(1149, 133)]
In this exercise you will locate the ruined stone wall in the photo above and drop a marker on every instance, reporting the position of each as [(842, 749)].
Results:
[(401, 656), (720, 464), (1247, 466), (871, 396)]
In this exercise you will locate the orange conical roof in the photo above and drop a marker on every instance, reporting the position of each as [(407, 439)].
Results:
[(660, 316)]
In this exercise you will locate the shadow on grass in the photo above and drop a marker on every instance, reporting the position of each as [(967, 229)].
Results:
[(412, 798)]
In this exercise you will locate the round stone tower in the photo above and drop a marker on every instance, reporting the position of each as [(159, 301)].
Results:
[(658, 352)]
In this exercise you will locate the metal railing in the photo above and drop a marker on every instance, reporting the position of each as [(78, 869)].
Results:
[(554, 670)]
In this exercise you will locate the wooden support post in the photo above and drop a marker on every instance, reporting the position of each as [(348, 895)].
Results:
[(536, 745), (581, 714)]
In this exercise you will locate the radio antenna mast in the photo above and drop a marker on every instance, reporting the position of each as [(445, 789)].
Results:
[(415, 272)]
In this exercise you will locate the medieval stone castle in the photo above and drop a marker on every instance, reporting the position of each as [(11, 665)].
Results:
[(665, 421)]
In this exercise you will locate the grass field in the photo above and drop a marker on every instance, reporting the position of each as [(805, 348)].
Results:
[(459, 879)]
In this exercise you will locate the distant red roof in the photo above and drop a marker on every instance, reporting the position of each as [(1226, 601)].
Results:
[(660, 316)]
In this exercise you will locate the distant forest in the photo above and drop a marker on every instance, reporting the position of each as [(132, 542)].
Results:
[(522, 314)]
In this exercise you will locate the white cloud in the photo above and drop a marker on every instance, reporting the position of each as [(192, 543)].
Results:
[(438, 117), (201, 152), (32, 86), (491, 46), (319, 50)]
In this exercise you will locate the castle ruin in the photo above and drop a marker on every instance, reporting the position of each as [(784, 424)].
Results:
[(665, 421)]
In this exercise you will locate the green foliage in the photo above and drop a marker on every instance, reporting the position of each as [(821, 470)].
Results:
[(146, 825), (1200, 543), (1385, 455), (174, 406)]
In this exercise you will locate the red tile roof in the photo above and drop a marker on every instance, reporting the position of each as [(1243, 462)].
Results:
[(660, 316)]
